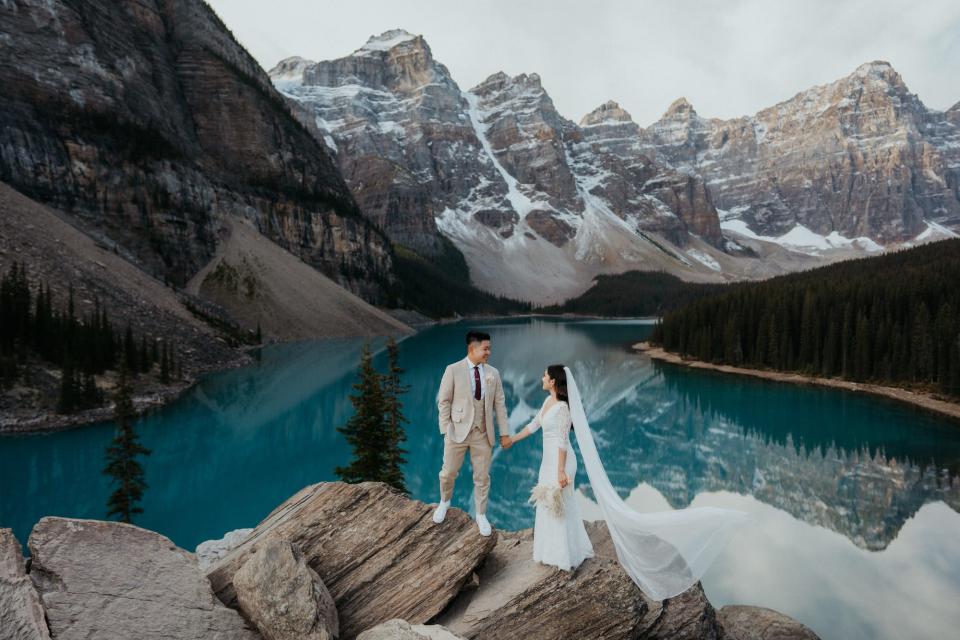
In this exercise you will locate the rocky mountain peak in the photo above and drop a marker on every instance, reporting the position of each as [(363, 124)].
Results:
[(387, 41), (609, 112), (880, 70), (290, 69), (679, 108), (500, 81)]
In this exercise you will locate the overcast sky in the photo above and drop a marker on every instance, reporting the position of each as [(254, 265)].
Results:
[(728, 58)]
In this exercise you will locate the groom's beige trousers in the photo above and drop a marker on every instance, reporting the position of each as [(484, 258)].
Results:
[(481, 454)]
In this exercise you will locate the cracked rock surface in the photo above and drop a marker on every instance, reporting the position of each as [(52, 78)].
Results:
[(379, 553), (109, 580)]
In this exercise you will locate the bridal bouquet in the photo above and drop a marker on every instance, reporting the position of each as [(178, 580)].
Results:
[(550, 496)]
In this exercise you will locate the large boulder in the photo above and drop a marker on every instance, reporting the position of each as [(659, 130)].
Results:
[(378, 552), (21, 615), (741, 622), (520, 598), (110, 580), (284, 597), (402, 630), (210, 551), (687, 615)]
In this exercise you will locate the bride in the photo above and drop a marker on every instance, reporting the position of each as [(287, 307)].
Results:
[(664, 553)]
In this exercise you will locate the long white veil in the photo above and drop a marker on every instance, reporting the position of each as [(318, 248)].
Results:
[(665, 552)]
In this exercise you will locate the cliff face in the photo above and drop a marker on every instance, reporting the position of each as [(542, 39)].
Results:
[(861, 156), (149, 124)]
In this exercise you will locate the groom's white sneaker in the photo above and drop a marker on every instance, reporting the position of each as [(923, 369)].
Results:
[(483, 524), (441, 512)]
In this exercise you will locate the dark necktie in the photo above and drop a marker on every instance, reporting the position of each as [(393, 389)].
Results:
[(476, 379)]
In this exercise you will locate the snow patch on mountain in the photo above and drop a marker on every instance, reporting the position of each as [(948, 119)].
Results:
[(384, 42), (802, 239)]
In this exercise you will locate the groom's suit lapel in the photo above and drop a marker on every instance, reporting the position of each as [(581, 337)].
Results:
[(467, 372)]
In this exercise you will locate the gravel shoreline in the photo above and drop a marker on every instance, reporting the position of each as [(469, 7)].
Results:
[(917, 399)]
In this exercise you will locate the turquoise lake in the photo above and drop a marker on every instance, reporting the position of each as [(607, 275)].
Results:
[(857, 499)]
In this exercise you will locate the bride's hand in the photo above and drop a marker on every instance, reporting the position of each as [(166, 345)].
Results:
[(562, 479)]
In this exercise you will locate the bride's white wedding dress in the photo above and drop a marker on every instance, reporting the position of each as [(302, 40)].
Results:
[(664, 552), (558, 540)]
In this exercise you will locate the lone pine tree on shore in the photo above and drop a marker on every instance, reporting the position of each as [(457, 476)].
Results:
[(122, 465), (393, 388), (375, 430)]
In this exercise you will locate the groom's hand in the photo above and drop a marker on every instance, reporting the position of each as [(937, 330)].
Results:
[(506, 442)]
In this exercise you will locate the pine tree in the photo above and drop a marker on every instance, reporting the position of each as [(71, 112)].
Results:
[(366, 429), (121, 457), (165, 364), (71, 388), (393, 388)]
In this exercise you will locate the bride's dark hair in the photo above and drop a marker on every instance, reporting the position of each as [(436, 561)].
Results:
[(559, 377), (557, 373)]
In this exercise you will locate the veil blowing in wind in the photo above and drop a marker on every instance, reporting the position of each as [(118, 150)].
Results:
[(664, 552)]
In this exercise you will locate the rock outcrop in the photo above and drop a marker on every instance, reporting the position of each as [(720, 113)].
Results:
[(149, 124), (284, 597), (759, 623), (520, 598), (21, 614), (109, 580), (402, 630), (392, 575), (379, 554)]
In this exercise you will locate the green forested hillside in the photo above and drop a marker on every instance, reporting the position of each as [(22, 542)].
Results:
[(636, 293), (891, 319)]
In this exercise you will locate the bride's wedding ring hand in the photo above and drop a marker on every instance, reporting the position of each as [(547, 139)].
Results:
[(562, 479)]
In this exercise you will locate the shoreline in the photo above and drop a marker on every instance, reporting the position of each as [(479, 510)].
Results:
[(144, 404), (917, 399)]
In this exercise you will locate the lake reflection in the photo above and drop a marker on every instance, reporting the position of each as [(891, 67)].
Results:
[(857, 498)]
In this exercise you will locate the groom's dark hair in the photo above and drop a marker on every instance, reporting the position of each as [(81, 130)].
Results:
[(476, 336)]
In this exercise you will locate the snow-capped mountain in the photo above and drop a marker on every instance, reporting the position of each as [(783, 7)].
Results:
[(540, 205), (858, 160)]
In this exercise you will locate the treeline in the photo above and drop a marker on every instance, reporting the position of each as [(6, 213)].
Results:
[(440, 286), (82, 347), (636, 293), (890, 319)]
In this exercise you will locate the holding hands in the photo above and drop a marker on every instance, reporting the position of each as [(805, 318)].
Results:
[(506, 442)]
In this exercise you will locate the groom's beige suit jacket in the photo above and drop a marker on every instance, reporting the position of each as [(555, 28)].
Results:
[(455, 402)]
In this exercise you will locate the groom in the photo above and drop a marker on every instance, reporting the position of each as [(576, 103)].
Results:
[(470, 393)]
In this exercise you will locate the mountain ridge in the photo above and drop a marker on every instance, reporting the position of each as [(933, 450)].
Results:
[(514, 184)]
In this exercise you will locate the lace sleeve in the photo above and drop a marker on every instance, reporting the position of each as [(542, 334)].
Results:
[(563, 425), (535, 423)]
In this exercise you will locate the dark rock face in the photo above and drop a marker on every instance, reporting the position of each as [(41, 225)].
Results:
[(861, 156), (395, 119), (665, 201), (148, 123), (379, 554)]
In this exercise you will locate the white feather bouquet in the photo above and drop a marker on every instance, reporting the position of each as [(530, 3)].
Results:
[(550, 496)]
